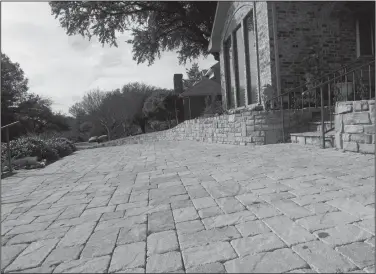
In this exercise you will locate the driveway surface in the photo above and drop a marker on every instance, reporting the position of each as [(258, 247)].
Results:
[(192, 207)]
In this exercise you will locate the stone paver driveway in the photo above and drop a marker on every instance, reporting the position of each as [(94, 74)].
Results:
[(192, 207)]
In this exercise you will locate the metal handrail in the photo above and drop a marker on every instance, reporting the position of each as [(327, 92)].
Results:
[(328, 82), (322, 83), (11, 124), (315, 80), (6, 127)]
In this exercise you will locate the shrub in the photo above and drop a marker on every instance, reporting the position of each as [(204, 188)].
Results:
[(50, 149), (29, 146), (213, 106)]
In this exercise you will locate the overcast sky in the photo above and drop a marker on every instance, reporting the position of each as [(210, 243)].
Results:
[(64, 67)]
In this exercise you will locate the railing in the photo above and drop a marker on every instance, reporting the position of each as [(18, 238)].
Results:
[(341, 85), (9, 154)]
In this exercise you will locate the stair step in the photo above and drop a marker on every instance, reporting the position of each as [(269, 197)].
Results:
[(313, 138)]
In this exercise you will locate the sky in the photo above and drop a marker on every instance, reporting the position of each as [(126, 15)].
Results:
[(63, 68)]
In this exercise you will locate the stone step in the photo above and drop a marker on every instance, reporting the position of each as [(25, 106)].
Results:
[(313, 138)]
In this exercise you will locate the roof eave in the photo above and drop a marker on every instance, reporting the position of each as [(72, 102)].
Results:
[(219, 21)]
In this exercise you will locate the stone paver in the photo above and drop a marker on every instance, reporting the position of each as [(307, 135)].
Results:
[(210, 212), (100, 243), (278, 261), (288, 230), (161, 221), (208, 236), (162, 242), (252, 228), (77, 235), (342, 234), (228, 219), (189, 227), (255, 244), (322, 257), (204, 202), (128, 256), (185, 214), (63, 254), (361, 254), (326, 220), (9, 253), (164, 263), (214, 252), (135, 233), (33, 255), (95, 265), (208, 268), (190, 207)]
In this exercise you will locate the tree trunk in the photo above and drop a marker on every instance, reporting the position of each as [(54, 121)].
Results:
[(176, 114), (108, 133), (143, 125)]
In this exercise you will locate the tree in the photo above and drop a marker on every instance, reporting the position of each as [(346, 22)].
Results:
[(194, 75), (36, 116), (140, 92), (162, 106), (13, 88), (157, 26)]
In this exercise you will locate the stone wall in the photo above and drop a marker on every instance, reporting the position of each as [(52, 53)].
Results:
[(246, 128), (355, 126)]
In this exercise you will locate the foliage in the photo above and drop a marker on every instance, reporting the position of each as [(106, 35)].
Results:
[(44, 147), (13, 87), (113, 113), (213, 106), (267, 95), (163, 106), (158, 125), (157, 26), (194, 75)]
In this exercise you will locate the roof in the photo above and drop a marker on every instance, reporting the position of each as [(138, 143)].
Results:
[(204, 87), (212, 69)]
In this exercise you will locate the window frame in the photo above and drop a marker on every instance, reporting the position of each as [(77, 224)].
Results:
[(233, 64), (358, 47), (227, 63), (236, 65)]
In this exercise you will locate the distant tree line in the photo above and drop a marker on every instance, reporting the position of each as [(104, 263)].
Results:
[(126, 111), (135, 108)]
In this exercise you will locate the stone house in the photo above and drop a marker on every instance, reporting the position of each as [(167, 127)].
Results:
[(265, 43)]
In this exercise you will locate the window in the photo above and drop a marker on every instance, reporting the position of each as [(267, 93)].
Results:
[(229, 73), (251, 53), (365, 36), (240, 66), (241, 63)]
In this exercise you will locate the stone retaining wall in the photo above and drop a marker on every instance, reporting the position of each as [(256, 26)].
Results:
[(247, 128), (355, 126)]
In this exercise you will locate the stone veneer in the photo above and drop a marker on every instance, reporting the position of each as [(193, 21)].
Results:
[(355, 126), (246, 128)]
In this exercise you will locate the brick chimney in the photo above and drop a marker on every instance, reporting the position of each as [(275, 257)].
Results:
[(178, 83)]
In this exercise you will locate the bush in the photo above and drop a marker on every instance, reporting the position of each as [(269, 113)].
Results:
[(213, 106), (50, 149)]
